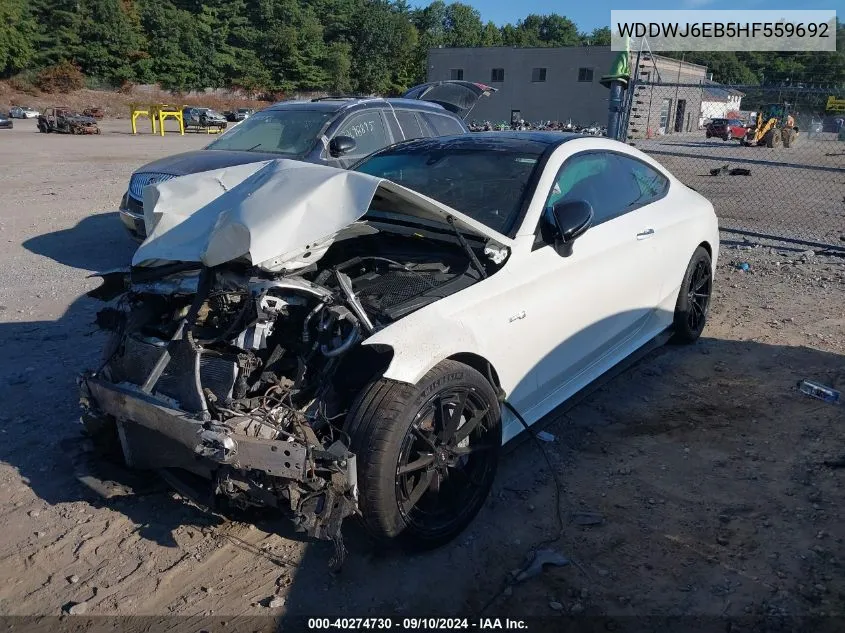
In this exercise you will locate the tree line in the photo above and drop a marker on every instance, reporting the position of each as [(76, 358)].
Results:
[(278, 46)]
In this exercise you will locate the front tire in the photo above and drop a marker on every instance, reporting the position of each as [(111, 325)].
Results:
[(694, 298), (772, 138), (427, 454)]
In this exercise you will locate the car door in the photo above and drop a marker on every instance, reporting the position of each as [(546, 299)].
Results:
[(443, 125), (411, 125), (587, 308), (368, 129)]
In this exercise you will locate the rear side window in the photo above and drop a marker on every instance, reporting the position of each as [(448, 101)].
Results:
[(443, 125), (651, 183), (611, 183), (367, 128), (411, 127)]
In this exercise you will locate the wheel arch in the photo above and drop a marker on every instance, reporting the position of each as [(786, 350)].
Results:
[(414, 351), (479, 364)]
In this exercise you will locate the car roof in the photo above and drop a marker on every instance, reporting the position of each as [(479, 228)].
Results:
[(337, 104), (531, 142)]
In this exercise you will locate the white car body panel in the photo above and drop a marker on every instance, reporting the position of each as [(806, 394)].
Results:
[(616, 292)]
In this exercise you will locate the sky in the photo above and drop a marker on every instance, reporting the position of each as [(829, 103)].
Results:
[(591, 14)]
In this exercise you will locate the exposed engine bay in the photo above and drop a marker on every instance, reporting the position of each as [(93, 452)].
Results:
[(242, 377)]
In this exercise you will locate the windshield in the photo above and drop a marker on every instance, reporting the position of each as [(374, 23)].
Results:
[(288, 132), (487, 185)]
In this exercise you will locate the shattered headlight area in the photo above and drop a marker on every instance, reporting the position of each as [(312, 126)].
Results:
[(242, 380), (205, 374)]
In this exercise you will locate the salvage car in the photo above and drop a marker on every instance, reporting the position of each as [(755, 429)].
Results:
[(241, 114), (23, 112), (336, 131), (65, 121), (203, 118), (334, 343), (6, 123)]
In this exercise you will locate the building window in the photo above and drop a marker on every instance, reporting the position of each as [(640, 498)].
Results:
[(457, 73), (538, 74), (497, 74), (585, 74), (665, 105)]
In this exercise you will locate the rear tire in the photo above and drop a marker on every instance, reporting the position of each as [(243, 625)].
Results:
[(424, 471), (694, 298)]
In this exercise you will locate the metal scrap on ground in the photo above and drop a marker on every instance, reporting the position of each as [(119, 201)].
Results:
[(542, 557)]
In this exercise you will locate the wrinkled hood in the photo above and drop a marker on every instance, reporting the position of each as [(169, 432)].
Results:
[(203, 160), (278, 214)]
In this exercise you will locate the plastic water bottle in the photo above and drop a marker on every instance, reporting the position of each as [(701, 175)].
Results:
[(820, 391)]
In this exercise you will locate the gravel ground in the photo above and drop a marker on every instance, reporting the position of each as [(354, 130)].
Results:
[(694, 482)]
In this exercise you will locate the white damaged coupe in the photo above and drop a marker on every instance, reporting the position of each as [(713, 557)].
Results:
[(332, 342)]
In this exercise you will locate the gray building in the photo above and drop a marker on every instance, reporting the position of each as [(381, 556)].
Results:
[(559, 84)]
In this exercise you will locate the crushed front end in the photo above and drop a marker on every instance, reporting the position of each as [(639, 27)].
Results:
[(240, 379), (219, 376)]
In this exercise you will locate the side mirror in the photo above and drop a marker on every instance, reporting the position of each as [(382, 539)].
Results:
[(571, 219), (341, 145)]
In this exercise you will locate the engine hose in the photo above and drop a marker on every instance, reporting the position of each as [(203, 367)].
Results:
[(306, 336), (348, 342), (329, 319)]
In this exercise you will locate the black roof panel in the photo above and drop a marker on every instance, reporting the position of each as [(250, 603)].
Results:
[(528, 142), (336, 104)]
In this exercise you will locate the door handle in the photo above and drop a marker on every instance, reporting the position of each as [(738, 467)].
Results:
[(516, 317), (644, 235)]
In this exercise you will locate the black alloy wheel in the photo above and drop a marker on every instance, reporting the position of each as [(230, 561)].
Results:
[(445, 461), (427, 453), (694, 298), (698, 296)]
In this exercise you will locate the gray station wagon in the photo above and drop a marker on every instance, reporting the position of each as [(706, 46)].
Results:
[(334, 131)]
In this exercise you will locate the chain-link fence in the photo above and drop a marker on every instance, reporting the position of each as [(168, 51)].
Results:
[(771, 159)]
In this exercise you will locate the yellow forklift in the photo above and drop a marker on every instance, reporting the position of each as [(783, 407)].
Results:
[(773, 126)]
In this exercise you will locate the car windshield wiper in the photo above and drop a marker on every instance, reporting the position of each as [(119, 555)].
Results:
[(467, 247)]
